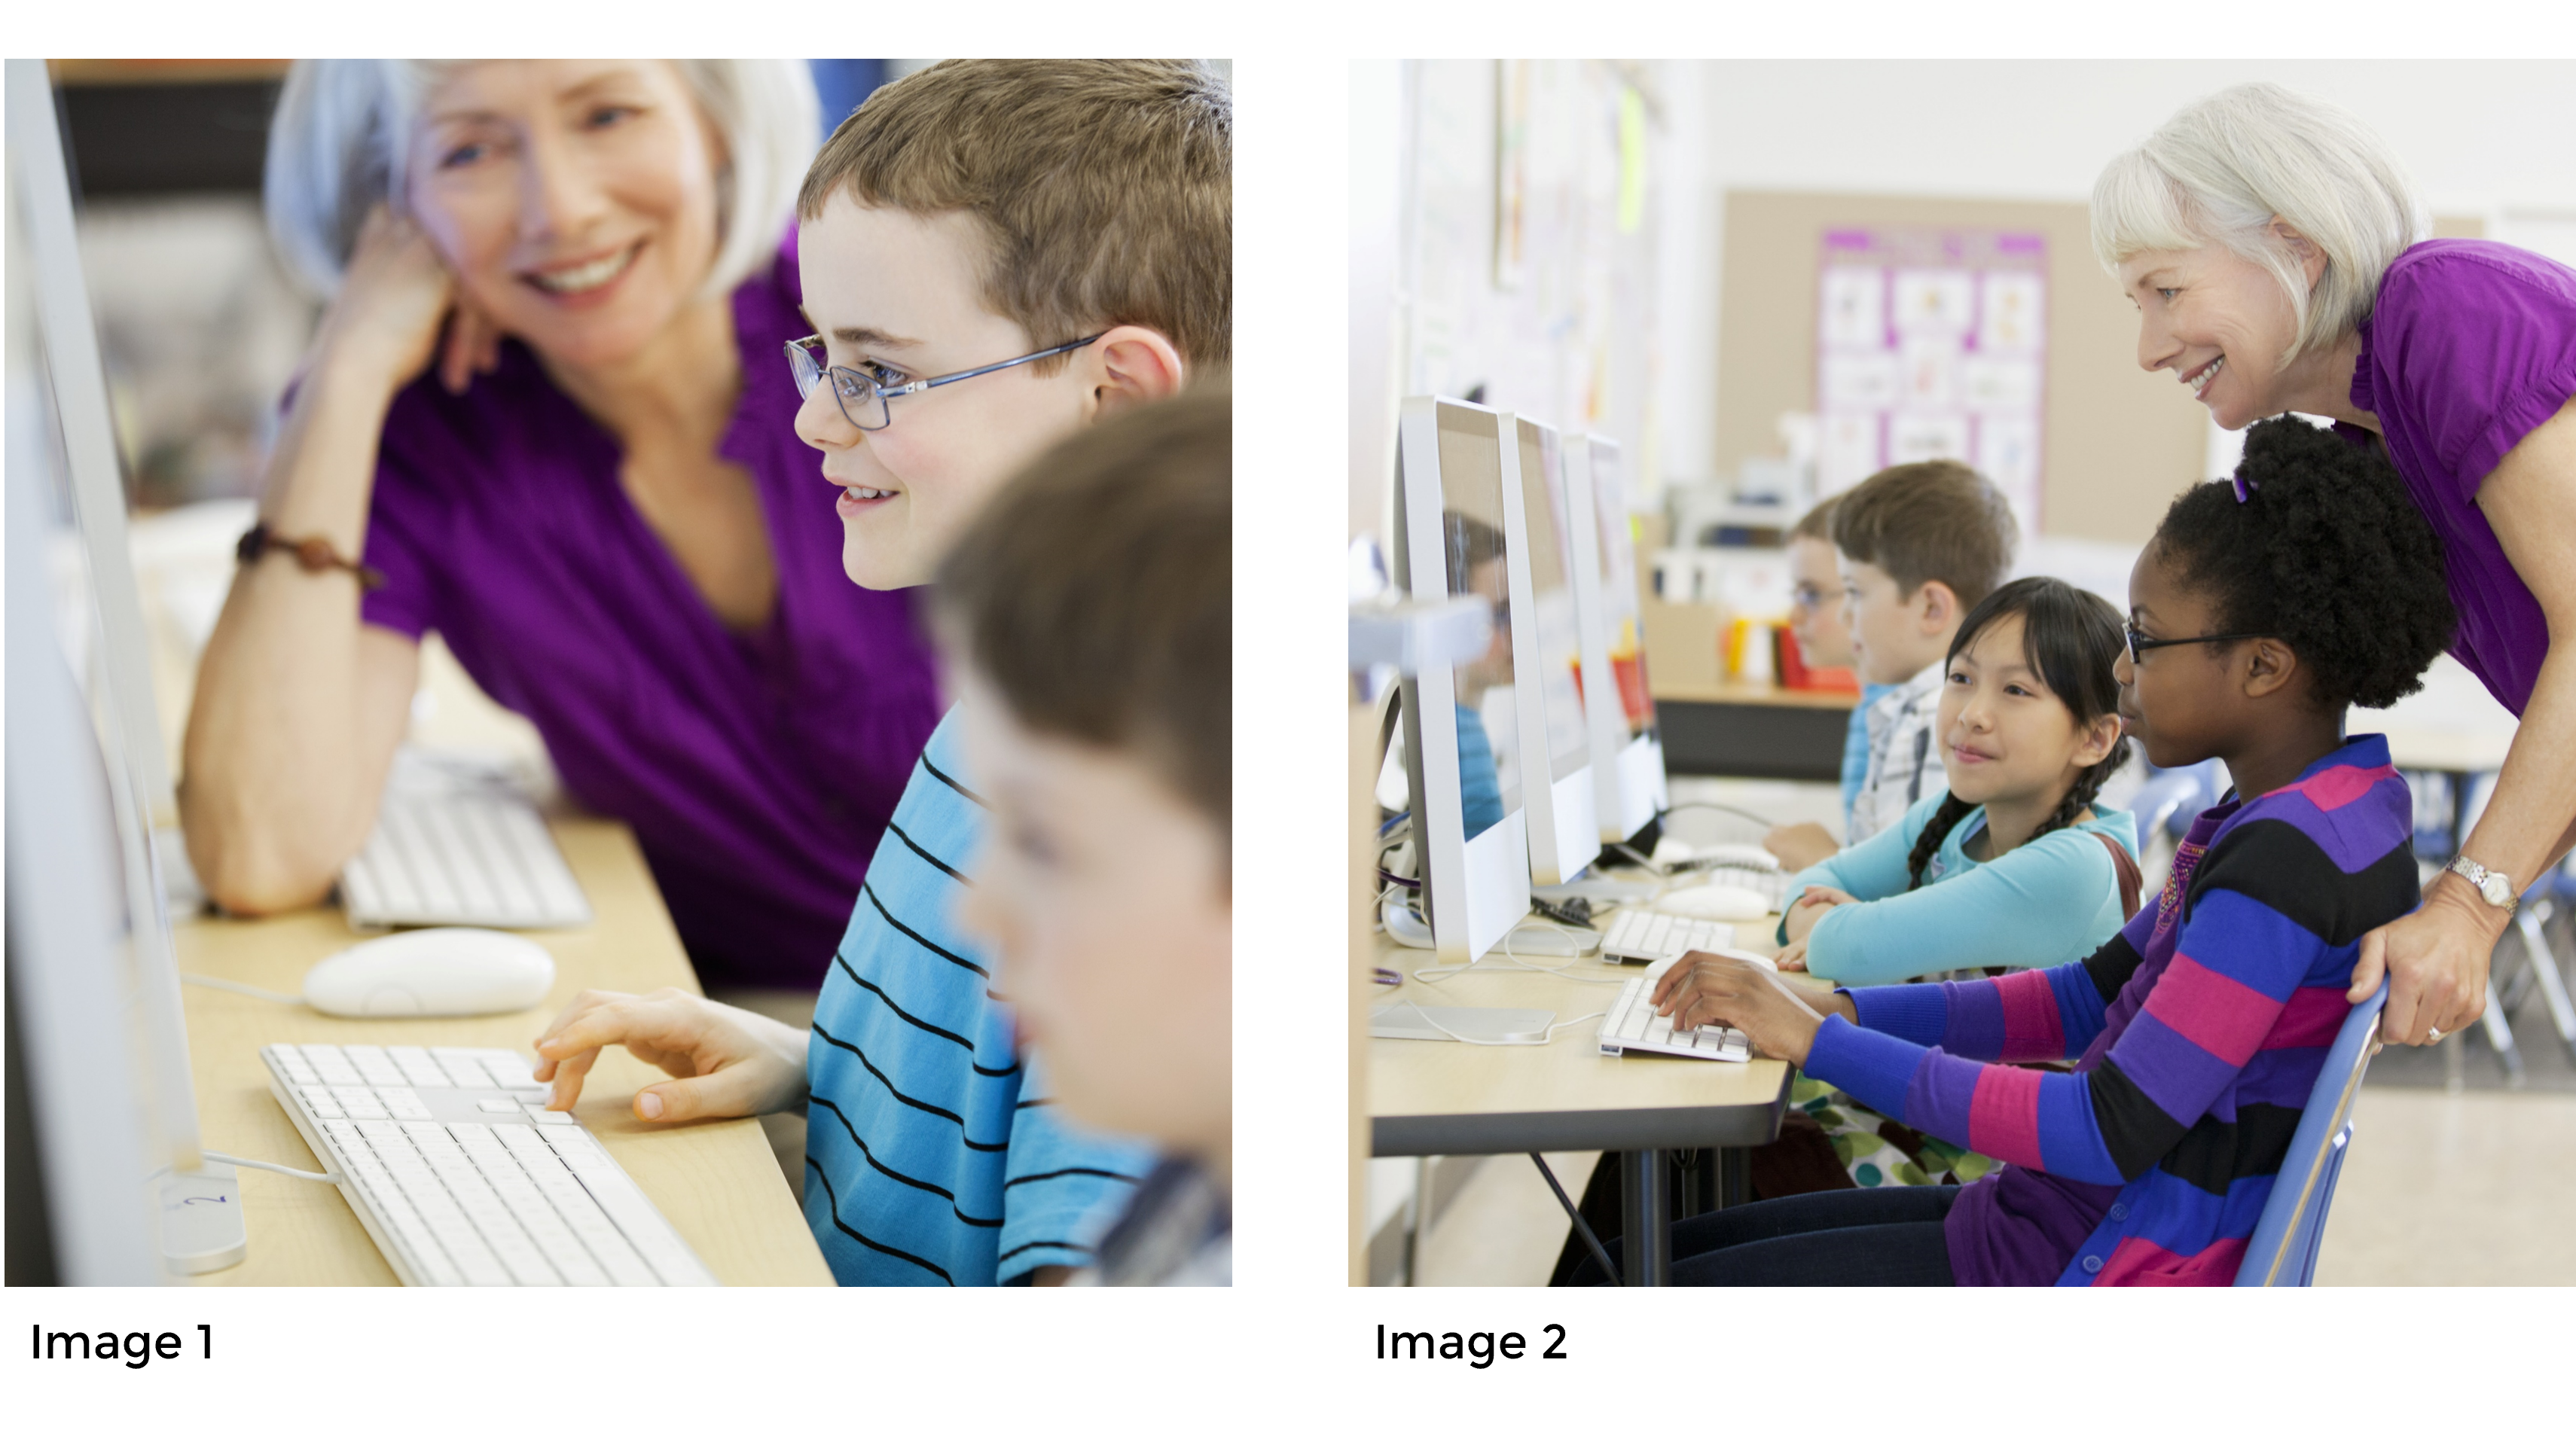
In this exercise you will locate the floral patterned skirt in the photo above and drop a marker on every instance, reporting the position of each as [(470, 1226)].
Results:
[(1828, 1140)]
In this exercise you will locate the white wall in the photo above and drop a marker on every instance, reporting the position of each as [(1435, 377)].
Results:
[(2491, 139)]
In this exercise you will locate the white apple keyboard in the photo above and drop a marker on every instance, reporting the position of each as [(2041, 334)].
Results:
[(1632, 1027), (461, 1175), (1646, 936), (457, 842)]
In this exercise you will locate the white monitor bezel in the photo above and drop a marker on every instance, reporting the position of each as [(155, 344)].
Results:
[(1630, 790), (1476, 889), (1564, 833)]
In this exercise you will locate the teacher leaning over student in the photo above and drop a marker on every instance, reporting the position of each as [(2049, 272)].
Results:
[(2276, 253)]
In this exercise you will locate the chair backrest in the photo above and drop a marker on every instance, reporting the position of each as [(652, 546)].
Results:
[(2284, 1247)]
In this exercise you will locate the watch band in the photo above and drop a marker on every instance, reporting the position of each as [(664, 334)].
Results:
[(2479, 877), (313, 553)]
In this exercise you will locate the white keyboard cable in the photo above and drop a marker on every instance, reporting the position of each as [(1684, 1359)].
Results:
[(221, 1158), (1548, 1038), (254, 991)]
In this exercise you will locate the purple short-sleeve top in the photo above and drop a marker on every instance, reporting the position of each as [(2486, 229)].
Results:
[(757, 769), (2471, 346)]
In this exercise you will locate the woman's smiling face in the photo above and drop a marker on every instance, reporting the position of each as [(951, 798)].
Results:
[(574, 200), (2219, 321)]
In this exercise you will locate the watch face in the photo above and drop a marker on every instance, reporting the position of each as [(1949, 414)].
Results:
[(2495, 889)]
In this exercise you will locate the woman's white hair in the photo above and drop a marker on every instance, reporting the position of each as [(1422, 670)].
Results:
[(2222, 168), (342, 134)]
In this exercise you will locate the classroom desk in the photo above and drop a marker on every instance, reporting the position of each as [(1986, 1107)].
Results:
[(1753, 730), (1436, 1097), (716, 1182)]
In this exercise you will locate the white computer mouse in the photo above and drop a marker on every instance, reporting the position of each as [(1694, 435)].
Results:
[(424, 972), (1715, 901)]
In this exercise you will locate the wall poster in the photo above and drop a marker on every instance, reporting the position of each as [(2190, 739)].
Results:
[(1931, 344)]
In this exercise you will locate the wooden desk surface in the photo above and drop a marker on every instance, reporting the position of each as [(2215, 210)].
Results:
[(716, 1182), (1444, 1097), (1751, 692)]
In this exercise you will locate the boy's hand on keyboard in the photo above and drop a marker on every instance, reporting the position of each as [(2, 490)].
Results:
[(1716, 989), (1811, 906), (728, 1061)]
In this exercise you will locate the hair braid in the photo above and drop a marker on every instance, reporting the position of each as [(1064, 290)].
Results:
[(2080, 795), (1945, 819)]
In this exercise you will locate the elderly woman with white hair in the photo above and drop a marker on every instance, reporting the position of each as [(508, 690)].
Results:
[(2278, 259), (548, 415)]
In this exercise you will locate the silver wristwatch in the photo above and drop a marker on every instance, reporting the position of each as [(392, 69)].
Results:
[(2492, 887)]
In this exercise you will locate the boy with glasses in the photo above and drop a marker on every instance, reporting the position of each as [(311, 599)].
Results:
[(994, 254)]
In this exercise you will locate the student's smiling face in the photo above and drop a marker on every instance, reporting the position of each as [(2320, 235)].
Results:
[(1109, 901), (897, 295), (2003, 733)]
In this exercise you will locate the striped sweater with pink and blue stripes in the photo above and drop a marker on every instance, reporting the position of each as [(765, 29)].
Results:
[(2201, 1029)]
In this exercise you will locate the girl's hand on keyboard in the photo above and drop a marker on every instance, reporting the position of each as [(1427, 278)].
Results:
[(1792, 960), (1714, 989), (1811, 906), (727, 1061)]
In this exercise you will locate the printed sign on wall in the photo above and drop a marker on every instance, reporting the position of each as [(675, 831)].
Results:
[(1931, 345)]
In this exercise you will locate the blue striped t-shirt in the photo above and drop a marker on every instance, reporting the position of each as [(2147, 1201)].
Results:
[(930, 1154)]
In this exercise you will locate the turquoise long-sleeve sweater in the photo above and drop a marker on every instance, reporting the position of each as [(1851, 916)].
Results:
[(2048, 901)]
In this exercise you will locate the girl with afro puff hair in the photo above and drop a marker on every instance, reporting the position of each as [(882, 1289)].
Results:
[(2263, 609)]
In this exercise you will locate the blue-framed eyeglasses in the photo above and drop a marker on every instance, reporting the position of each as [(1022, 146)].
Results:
[(862, 396)]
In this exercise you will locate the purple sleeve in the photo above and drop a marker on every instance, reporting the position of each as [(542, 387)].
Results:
[(2029, 1014), (2480, 352)]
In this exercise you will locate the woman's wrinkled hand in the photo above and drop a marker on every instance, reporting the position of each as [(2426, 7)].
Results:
[(728, 1061)]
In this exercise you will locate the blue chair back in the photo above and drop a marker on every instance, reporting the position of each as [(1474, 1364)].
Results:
[(2283, 1250)]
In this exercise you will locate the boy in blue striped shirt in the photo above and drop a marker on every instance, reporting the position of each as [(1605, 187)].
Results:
[(1096, 677), (994, 255)]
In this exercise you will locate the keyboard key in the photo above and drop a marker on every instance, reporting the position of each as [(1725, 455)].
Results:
[(373, 1064), (418, 1069), (331, 1064), (462, 1067)]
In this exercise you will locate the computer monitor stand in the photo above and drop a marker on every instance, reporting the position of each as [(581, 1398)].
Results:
[(201, 1220)]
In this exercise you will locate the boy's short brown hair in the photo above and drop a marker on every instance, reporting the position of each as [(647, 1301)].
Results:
[(1818, 523), (1096, 593), (1933, 520), (1104, 188)]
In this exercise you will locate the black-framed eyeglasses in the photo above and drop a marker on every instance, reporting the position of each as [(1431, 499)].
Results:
[(863, 397), (2139, 644)]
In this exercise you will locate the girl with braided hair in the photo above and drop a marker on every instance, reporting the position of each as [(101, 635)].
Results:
[(2012, 864)]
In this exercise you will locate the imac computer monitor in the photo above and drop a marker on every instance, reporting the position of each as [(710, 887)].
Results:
[(122, 1193), (1452, 518), (1553, 740), (1619, 709)]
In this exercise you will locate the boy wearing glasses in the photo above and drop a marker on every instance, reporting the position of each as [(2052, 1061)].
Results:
[(994, 255)]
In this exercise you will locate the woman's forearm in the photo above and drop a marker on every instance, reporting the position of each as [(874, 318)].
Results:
[(289, 734), (2530, 816)]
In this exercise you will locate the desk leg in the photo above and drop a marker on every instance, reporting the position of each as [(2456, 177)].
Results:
[(1646, 1217), (1734, 1177)]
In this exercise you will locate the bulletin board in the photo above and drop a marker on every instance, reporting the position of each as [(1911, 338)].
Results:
[(1931, 345), (1526, 262), (2111, 442)]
